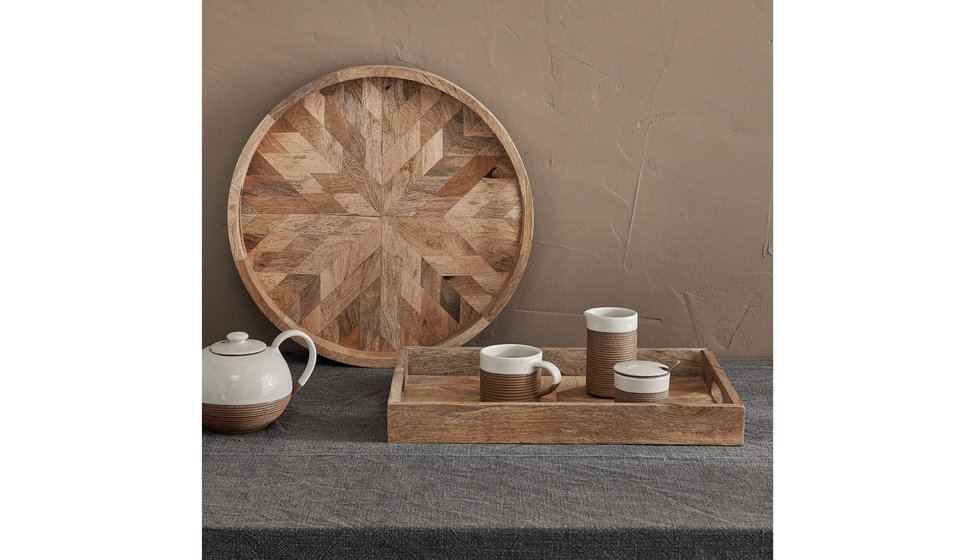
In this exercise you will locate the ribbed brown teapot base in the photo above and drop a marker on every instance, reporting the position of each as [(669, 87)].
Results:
[(242, 418), (603, 351)]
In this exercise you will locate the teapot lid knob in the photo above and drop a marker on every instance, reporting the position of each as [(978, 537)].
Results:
[(237, 336), (237, 344)]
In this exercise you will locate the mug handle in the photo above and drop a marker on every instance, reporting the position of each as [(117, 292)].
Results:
[(309, 363), (555, 377)]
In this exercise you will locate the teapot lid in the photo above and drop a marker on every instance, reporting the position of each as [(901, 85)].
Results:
[(237, 344)]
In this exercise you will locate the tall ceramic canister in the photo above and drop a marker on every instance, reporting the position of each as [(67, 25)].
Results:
[(611, 339)]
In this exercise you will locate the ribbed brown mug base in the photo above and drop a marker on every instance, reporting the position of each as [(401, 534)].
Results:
[(603, 351), (498, 387), (626, 396)]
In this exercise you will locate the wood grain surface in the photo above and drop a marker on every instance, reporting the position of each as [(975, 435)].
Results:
[(435, 398), (380, 207)]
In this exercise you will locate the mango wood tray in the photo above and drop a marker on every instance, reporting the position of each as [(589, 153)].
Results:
[(379, 207), (435, 398)]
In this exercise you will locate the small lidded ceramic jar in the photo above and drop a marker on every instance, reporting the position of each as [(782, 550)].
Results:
[(641, 381)]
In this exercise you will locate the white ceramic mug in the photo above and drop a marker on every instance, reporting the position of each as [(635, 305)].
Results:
[(507, 372)]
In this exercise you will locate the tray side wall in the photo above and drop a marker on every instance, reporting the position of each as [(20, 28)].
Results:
[(399, 377), (716, 380), (566, 423)]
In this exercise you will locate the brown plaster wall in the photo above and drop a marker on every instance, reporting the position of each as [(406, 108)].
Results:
[(646, 129)]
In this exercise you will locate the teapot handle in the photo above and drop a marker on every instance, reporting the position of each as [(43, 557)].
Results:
[(309, 364)]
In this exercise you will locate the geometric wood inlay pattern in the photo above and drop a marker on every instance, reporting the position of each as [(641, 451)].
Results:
[(380, 207)]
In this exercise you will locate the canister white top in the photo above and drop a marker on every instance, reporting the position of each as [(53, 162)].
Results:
[(611, 319)]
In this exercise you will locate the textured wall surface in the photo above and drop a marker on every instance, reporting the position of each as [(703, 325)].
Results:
[(646, 129)]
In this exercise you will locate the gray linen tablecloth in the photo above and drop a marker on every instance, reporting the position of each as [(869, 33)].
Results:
[(322, 482)]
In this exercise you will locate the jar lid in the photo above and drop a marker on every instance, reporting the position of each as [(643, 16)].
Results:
[(641, 368), (237, 344)]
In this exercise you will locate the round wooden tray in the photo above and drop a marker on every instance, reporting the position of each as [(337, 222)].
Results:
[(380, 207)]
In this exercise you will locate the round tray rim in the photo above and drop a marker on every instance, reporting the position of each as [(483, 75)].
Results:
[(330, 349)]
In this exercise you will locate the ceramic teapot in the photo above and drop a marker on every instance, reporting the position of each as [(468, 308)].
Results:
[(246, 385)]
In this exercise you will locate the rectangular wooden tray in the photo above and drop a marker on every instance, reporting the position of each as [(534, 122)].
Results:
[(435, 398)]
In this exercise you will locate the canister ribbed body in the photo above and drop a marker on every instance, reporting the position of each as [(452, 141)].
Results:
[(603, 351)]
